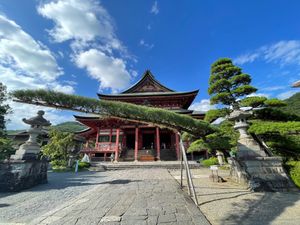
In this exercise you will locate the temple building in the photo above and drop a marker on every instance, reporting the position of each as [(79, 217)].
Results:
[(133, 141)]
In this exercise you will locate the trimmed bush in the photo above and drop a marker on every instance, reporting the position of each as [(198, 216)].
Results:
[(209, 162)]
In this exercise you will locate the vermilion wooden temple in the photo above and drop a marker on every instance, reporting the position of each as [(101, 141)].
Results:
[(128, 140)]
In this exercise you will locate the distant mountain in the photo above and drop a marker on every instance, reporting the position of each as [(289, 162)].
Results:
[(70, 126), (293, 104)]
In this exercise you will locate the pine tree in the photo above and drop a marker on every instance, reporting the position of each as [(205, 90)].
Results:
[(228, 83), (4, 108)]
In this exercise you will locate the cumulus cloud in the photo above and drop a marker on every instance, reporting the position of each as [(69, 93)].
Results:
[(27, 111), (110, 71), (282, 52), (26, 64), (91, 32), (204, 105), (75, 19), (154, 8), (21, 52)]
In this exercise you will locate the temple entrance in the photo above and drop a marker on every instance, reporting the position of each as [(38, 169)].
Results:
[(130, 141), (165, 141), (148, 141)]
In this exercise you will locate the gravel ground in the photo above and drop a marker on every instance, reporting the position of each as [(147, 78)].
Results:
[(230, 203), (61, 187)]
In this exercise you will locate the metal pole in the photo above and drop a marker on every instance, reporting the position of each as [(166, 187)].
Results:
[(189, 177), (181, 169)]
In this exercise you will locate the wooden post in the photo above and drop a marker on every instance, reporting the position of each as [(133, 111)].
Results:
[(136, 146), (177, 145), (110, 135), (157, 144), (97, 139), (117, 145)]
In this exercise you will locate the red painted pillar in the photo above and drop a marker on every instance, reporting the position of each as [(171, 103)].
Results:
[(177, 146), (117, 145), (136, 146), (97, 139), (157, 144), (110, 135)]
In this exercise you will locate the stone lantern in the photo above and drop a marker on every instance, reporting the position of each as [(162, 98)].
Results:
[(247, 147), (30, 149), (25, 169)]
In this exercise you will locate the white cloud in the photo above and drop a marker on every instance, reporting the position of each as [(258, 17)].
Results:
[(282, 52), (21, 52), (91, 32), (154, 9), (111, 72), (82, 22), (246, 58), (21, 111), (145, 44), (203, 105), (75, 19), (27, 64), (274, 88), (286, 94), (259, 95)]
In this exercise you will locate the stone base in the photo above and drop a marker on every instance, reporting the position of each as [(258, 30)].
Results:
[(263, 174), (17, 175), (248, 148)]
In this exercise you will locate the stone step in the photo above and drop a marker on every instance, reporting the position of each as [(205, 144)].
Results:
[(144, 165)]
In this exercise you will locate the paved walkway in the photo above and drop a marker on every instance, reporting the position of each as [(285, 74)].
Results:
[(229, 203), (127, 197)]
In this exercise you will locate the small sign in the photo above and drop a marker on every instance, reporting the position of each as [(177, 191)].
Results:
[(214, 167)]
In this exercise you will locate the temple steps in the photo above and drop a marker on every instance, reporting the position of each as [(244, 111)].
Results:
[(165, 154), (101, 166)]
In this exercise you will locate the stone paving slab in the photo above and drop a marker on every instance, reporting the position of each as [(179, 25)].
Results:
[(130, 197), (230, 203)]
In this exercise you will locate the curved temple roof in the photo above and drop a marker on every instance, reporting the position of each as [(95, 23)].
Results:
[(147, 84), (149, 90)]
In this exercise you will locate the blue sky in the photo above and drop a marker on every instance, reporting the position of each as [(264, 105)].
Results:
[(90, 46)]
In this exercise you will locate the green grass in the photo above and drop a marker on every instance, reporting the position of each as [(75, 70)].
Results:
[(293, 168)]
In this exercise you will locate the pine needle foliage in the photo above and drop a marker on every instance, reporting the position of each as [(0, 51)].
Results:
[(156, 116), (227, 83)]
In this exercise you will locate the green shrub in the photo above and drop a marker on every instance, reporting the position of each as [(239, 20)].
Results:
[(82, 165), (293, 168), (58, 163), (61, 169), (211, 161), (6, 149)]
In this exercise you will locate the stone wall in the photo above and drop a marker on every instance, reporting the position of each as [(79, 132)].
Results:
[(17, 175)]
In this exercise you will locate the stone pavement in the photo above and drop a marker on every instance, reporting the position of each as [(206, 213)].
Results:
[(230, 203), (129, 197)]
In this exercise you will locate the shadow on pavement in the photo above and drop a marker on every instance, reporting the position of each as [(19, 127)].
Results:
[(264, 210), (62, 180), (120, 181)]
